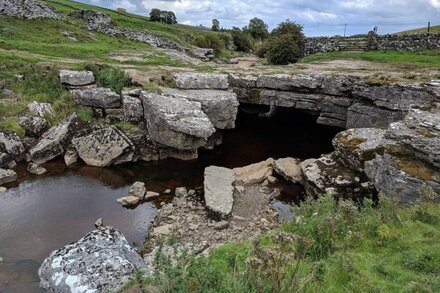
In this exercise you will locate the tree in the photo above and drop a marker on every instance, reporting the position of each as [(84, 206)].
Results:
[(257, 28), (215, 25), (155, 14), (241, 39)]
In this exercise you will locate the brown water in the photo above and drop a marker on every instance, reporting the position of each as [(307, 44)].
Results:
[(41, 214)]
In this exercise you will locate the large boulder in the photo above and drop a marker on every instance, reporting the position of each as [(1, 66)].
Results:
[(254, 173), (286, 82), (220, 106), (34, 126), (327, 175), (76, 78), (289, 169), (97, 97), (176, 123), (11, 148), (219, 191), (41, 109), (28, 9), (7, 176), (202, 81), (132, 109), (101, 261), (54, 142), (104, 147)]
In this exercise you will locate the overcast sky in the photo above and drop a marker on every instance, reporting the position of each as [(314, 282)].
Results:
[(317, 17)]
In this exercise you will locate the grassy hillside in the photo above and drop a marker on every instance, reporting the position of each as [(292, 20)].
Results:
[(434, 29)]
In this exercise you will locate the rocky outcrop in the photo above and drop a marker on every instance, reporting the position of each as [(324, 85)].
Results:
[(34, 126), (11, 149), (101, 261), (219, 191), (28, 9), (104, 147), (97, 97), (7, 176), (195, 81), (41, 109), (76, 78), (289, 169), (176, 123), (54, 142), (132, 107), (221, 107)]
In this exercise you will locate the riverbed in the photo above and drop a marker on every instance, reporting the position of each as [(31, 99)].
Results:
[(41, 214)]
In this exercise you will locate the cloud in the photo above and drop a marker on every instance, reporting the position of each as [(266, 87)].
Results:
[(318, 17)]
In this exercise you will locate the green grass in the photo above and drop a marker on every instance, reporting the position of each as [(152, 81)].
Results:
[(434, 29), (428, 59), (324, 249)]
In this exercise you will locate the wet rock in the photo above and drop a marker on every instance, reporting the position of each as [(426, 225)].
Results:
[(97, 97), (181, 192), (255, 173), (402, 178), (3, 189), (7, 176), (128, 201), (327, 176), (219, 191), (101, 261), (71, 156), (99, 223), (221, 107), (28, 9), (289, 168), (41, 109), (76, 78), (176, 123), (132, 107), (149, 195), (11, 148), (138, 190), (36, 169), (54, 141), (202, 81), (286, 82), (184, 155), (34, 126), (355, 146), (104, 147)]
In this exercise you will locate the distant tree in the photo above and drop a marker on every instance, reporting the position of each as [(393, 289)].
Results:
[(215, 25), (258, 29), (171, 18), (155, 14)]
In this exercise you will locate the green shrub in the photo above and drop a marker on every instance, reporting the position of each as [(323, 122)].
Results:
[(212, 41), (283, 50), (114, 78), (242, 41)]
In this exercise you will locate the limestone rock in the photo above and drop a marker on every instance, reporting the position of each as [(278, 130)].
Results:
[(36, 169), (289, 168), (181, 192), (104, 147), (202, 81), (101, 261), (41, 109), (255, 173), (327, 176), (7, 176), (221, 107), (97, 97), (11, 148), (149, 195), (28, 9), (34, 126), (364, 116), (301, 101), (138, 190), (133, 110), (286, 82), (76, 78), (128, 201), (176, 123), (71, 156), (219, 191), (54, 141)]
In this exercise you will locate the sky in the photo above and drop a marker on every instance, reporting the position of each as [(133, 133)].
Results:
[(319, 18)]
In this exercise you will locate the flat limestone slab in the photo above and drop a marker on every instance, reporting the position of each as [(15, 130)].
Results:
[(219, 191), (194, 81)]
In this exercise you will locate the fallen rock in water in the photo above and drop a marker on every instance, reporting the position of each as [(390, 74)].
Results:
[(34, 126), (176, 123), (104, 147), (41, 109), (99, 223), (219, 191), (221, 107), (138, 190), (101, 261), (97, 97), (36, 169), (3, 189), (327, 176), (289, 168), (54, 141), (7, 176), (202, 81), (11, 149), (255, 173), (71, 156), (149, 195), (128, 201), (76, 78), (28, 9)]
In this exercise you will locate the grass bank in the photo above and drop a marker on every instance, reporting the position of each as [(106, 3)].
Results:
[(324, 249)]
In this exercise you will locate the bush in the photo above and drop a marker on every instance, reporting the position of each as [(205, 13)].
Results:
[(242, 40), (114, 78), (283, 50), (212, 41)]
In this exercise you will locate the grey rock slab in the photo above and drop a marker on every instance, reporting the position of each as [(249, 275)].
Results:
[(219, 191), (34, 126), (97, 97), (132, 109), (286, 82), (76, 78), (7, 176), (366, 116), (138, 190), (101, 261), (11, 148), (28, 9), (289, 168), (202, 81), (41, 109)]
